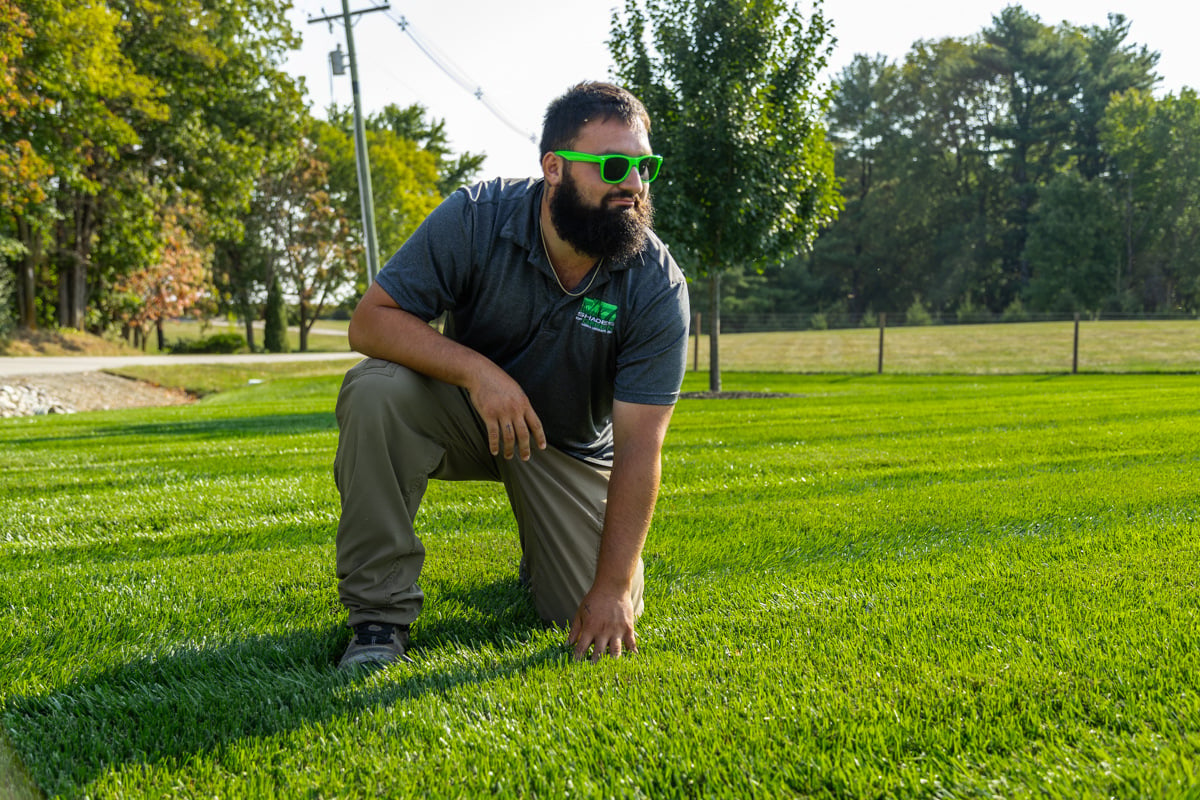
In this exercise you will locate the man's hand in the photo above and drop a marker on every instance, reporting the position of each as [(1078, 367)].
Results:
[(513, 428), (603, 624)]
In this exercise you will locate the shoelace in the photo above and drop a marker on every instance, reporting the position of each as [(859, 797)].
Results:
[(375, 633)]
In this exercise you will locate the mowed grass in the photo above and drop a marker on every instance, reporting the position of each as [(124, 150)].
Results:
[(880, 587)]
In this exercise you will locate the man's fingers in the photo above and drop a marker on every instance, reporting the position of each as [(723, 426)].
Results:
[(508, 436), (536, 433), (493, 434)]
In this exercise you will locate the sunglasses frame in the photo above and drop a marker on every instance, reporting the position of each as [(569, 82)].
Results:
[(632, 163)]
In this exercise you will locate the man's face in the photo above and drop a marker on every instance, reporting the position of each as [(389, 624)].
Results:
[(603, 220)]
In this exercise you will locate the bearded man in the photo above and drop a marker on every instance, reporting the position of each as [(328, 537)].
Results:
[(564, 347)]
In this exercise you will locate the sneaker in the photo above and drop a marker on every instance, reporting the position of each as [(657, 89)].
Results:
[(376, 644)]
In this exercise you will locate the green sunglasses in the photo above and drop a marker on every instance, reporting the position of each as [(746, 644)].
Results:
[(616, 168)]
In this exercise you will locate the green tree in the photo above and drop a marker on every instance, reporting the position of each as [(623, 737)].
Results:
[(275, 338), (411, 169), (1075, 245), (184, 98), (732, 89), (1155, 148), (316, 243)]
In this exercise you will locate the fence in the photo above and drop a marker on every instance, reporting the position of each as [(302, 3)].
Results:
[(1045, 344)]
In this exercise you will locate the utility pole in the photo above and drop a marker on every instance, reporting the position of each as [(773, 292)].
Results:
[(361, 160)]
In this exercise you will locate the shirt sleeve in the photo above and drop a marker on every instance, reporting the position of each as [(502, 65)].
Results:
[(652, 358)]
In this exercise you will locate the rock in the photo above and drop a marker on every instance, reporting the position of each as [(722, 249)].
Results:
[(26, 401)]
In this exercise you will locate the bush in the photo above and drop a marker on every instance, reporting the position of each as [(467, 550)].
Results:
[(1015, 312), (217, 343), (818, 322), (917, 314)]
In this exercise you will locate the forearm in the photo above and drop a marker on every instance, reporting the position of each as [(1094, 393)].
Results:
[(632, 494), (379, 329)]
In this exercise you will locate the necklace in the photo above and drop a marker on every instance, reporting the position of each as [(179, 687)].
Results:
[(595, 269)]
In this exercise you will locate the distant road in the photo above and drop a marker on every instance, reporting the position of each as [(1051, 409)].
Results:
[(59, 365)]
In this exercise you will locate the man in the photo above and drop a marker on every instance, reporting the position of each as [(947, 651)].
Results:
[(565, 347)]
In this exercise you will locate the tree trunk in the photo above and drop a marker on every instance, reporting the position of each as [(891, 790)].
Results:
[(27, 271), (303, 325), (162, 338), (248, 316), (714, 331)]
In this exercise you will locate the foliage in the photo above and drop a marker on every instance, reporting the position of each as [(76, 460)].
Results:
[(314, 240), (182, 100), (275, 338), (887, 587), (223, 343), (968, 166), (736, 111), (410, 170), (173, 283)]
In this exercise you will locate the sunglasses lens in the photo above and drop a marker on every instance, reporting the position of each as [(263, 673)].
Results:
[(648, 169), (615, 169)]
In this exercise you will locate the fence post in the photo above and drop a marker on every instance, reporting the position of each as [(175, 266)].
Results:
[(1075, 348), (882, 328), (696, 350)]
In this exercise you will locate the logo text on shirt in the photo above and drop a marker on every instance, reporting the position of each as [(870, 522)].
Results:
[(597, 315)]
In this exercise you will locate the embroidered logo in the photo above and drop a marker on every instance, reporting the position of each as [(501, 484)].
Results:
[(597, 315)]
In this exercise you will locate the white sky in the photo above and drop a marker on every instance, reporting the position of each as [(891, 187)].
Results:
[(523, 53)]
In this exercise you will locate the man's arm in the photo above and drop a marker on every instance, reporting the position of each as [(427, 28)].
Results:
[(381, 329), (605, 620)]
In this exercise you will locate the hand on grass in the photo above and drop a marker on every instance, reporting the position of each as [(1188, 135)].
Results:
[(603, 624)]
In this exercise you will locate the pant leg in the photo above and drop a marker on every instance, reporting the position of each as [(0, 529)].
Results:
[(397, 429), (559, 502)]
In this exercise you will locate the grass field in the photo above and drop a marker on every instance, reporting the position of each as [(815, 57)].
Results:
[(891, 586)]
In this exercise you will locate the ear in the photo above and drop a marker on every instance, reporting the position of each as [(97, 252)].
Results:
[(552, 168)]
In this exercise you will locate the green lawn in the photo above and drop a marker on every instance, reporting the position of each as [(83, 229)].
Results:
[(883, 586)]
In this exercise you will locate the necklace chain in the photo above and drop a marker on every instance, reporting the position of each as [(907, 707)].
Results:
[(595, 269)]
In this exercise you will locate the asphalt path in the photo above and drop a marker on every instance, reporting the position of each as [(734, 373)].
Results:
[(60, 365)]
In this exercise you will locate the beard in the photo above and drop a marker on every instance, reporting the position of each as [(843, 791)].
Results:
[(614, 233)]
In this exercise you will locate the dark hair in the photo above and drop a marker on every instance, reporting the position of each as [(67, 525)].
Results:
[(583, 103)]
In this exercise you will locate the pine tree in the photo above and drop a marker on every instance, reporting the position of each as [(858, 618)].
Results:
[(275, 338)]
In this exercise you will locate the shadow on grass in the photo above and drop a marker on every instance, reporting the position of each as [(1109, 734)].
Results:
[(190, 542), (199, 429), (202, 700)]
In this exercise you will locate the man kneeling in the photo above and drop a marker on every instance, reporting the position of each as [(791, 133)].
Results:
[(564, 350)]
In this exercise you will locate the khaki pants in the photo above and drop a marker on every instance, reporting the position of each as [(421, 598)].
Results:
[(399, 429)]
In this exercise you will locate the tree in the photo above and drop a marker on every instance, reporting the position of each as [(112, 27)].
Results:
[(275, 329), (1155, 149), (316, 243), (411, 170), (186, 98), (172, 283), (731, 87)]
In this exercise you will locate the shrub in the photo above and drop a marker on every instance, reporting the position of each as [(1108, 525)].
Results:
[(217, 343), (917, 314), (1015, 312)]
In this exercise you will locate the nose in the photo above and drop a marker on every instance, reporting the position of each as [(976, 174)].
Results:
[(633, 182)]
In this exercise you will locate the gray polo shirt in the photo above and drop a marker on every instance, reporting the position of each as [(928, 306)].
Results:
[(478, 257)]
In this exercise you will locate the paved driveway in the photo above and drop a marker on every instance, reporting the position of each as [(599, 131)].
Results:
[(58, 365)]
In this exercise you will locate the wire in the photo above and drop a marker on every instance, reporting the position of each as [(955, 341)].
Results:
[(456, 74)]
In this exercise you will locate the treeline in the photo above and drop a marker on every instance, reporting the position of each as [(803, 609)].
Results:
[(155, 159), (1026, 169)]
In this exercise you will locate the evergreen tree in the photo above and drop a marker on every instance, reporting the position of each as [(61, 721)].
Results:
[(275, 338)]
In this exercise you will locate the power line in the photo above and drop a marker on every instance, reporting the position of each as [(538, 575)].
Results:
[(456, 74)]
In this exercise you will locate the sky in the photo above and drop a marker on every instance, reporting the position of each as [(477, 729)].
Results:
[(521, 54)]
